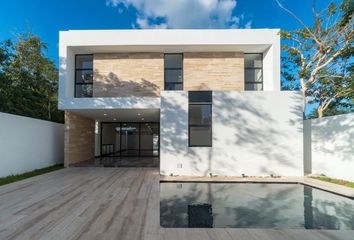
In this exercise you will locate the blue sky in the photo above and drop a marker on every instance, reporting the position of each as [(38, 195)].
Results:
[(47, 18)]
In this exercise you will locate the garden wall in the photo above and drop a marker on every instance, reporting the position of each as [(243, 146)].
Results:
[(27, 144), (332, 150)]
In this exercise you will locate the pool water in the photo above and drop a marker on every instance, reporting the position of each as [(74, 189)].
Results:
[(252, 205)]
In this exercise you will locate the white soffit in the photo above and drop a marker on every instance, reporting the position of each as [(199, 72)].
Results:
[(121, 115), (170, 48)]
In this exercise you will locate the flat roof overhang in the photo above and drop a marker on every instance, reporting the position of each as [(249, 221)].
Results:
[(169, 40), (169, 48)]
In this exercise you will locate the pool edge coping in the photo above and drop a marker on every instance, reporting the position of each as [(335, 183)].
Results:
[(318, 184)]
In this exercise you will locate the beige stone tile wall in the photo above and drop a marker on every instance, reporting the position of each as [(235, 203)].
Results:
[(128, 74), (213, 71), (79, 139), (142, 74)]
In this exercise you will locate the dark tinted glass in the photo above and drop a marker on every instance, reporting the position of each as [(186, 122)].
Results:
[(254, 86), (84, 90), (253, 60), (199, 114), (173, 86), (149, 137), (253, 75), (84, 62), (200, 96), (172, 75), (84, 76), (130, 141), (200, 136), (173, 61)]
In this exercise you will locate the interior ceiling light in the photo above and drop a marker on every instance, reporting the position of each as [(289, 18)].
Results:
[(115, 119), (142, 119), (105, 114), (139, 114), (128, 129)]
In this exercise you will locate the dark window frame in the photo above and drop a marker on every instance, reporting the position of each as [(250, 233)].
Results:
[(255, 68), (82, 69), (201, 125), (169, 68)]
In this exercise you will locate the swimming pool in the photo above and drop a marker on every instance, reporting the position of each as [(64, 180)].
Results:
[(252, 205)]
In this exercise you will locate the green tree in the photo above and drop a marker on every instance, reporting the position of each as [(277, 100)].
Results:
[(5, 59), (29, 80), (333, 92), (315, 57)]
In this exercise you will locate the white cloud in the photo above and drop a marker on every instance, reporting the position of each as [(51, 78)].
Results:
[(248, 24), (144, 23), (182, 13)]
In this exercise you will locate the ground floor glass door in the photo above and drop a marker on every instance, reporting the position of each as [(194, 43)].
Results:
[(130, 139)]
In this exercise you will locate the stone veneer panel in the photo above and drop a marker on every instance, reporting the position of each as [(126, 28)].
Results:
[(128, 74), (221, 71), (79, 143)]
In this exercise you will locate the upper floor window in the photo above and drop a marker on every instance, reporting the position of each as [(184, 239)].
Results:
[(200, 118), (254, 71), (83, 75), (174, 71)]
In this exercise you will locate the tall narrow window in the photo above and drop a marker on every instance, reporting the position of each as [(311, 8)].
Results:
[(173, 71), (200, 119), (83, 75), (254, 71)]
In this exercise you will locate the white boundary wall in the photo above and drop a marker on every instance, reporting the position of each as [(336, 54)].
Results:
[(254, 133), (332, 147), (27, 144)]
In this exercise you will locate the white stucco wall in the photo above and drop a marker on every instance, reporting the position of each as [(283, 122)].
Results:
[(333, 146), (254, 133), (27, 144)]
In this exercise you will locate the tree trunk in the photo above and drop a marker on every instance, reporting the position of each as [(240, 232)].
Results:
[(303, 90), (320, 112)]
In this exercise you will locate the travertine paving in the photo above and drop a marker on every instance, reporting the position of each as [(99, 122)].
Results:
[(108, 203)]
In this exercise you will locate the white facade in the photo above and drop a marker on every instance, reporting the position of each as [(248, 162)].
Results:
[(254, 133), (27, 144), (330, 148)]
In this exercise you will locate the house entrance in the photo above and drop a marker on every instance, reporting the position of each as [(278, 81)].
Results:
[(126, 139)]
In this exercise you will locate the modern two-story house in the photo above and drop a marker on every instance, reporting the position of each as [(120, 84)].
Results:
[(192, 102)]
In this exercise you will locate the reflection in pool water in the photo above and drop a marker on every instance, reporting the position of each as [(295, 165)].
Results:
[(253, 205)]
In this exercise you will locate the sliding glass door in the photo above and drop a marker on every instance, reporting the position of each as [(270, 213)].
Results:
[(130, 139)]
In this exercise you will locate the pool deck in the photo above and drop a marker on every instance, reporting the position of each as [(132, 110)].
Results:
[(114, 203)]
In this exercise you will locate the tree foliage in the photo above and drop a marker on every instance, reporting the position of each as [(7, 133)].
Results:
[(333, 92), (318, 59), (28, 79)]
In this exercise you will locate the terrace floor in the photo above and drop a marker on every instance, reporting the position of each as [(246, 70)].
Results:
[(152, 162), (108, 203)]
